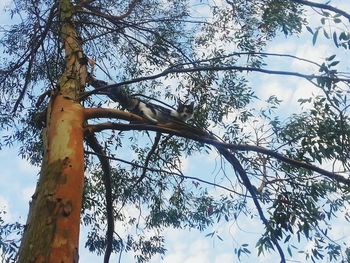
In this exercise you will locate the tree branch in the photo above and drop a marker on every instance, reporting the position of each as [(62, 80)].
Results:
[(186, 131), (24, 58), (148, 158), (106, 169), (174, 70), (166, 172), (245, 179), (242, 174), (323, 6), (31, 57), (26, 83), (249, 53), (94, 11), (92, 113)]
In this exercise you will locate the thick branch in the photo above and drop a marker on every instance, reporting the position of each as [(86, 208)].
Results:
[(196, 134), (106, 168), (92, 113), (323, 6)]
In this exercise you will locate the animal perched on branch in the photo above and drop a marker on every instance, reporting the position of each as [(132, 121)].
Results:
[(153, 112)]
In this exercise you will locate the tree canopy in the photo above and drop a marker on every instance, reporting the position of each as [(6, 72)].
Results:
[(288, 172)]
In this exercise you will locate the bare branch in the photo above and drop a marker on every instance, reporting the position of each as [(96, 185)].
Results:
[(46, 61)]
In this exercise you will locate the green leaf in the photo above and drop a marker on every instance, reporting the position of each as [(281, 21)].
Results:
[(219, 237), (326, 14), (335, 39), (334, 63), (309, 29), (287, 238), (331, 58), (314, 38), (326, 34), (343, 36)]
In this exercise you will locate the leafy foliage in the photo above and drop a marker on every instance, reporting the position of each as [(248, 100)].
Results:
[(9, 239), (131, 40), (329, 28)]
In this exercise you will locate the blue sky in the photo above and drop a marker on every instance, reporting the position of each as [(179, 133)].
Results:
[(19, 177)]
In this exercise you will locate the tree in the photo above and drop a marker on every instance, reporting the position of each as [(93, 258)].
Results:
[(163, 51)]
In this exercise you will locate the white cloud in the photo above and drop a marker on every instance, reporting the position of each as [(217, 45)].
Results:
[(277, 88), (285, 47), (5, 206), (307, 51), (305, 90), (27, 193), (5, 4), (202, 257), (173, 258), (227, 257), (26, 167), (184, 164), (185, 246)]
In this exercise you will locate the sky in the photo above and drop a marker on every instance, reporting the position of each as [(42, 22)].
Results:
[(19, 178)]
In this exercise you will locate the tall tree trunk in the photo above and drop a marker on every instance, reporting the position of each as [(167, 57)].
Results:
[(52, 231)]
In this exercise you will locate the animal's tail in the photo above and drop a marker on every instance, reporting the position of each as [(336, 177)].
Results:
[(116, 94)]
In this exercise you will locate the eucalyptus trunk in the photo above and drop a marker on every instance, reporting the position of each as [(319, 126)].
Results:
[(52, 230)]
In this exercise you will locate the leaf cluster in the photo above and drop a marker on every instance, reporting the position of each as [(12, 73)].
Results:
[(9, 239)]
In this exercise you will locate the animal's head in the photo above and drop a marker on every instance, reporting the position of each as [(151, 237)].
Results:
[(185, 110)]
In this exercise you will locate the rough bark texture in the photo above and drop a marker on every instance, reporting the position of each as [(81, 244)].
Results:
[(52, 231)]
